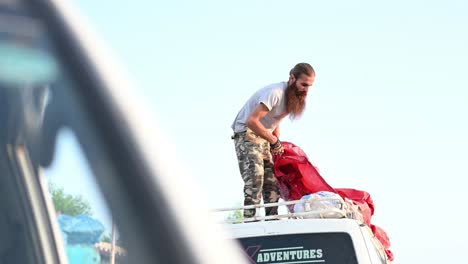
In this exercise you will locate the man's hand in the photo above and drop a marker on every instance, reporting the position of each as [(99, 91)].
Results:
[(277, 148)]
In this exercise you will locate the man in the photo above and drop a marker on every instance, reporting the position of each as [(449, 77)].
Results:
[(257, 132)]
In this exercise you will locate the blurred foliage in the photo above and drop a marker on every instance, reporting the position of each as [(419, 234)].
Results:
[(68, 204), (106, 238)]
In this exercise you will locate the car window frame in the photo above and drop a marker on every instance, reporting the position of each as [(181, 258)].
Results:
[(134, 180)]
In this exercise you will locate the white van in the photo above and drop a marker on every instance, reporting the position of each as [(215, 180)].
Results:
[(324, 235)]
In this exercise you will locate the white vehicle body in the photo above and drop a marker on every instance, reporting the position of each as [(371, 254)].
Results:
[(320, 236)]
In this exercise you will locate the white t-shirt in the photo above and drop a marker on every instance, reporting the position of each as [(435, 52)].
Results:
[(273, 97)]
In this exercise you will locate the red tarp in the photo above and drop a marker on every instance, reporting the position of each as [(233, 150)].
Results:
[(298, 177)]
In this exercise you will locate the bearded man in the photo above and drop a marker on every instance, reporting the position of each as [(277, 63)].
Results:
[(256, 134)]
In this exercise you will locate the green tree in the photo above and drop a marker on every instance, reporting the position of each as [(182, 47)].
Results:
[(68, 204)]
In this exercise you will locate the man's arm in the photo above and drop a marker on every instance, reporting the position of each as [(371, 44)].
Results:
[(276, 132), (253, 122)]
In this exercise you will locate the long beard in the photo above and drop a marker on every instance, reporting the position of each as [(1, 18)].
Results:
[(295, 101)]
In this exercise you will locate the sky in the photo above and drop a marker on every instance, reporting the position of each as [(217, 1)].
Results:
[(386, 114)]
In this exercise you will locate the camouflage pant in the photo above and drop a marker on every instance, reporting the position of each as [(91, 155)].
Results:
[(256, 168)]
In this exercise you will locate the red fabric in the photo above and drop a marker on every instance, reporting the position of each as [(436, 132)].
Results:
[(290, 169), (298, 177), (362, 199), (381, 235)]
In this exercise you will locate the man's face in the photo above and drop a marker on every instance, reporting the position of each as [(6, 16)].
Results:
[(296, 94), (303, 83)]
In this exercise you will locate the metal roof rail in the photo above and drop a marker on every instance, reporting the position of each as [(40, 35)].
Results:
[(339, 208)]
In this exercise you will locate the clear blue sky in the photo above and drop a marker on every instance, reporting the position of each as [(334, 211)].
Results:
[(387, 113)]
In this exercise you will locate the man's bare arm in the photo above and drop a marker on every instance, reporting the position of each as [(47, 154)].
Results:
[(253, 122), (276, 132)]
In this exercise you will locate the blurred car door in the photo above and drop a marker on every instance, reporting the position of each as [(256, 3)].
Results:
[(55, 77)]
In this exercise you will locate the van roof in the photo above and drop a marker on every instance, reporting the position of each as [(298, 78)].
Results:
[(294, 226)]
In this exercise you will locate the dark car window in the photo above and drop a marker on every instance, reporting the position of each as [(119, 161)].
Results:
[(25, 69)]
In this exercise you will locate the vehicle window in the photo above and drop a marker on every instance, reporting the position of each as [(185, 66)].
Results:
[(24, 67), (77, 183), (88, 231), (300, 248)]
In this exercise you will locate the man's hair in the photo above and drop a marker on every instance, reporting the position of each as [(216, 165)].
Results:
[(304, 68)]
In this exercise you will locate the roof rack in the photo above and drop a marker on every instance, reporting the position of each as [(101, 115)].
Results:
[(324, 207)]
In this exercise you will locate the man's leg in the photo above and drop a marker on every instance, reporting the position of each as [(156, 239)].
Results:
[(270, 185), (251, 169)]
